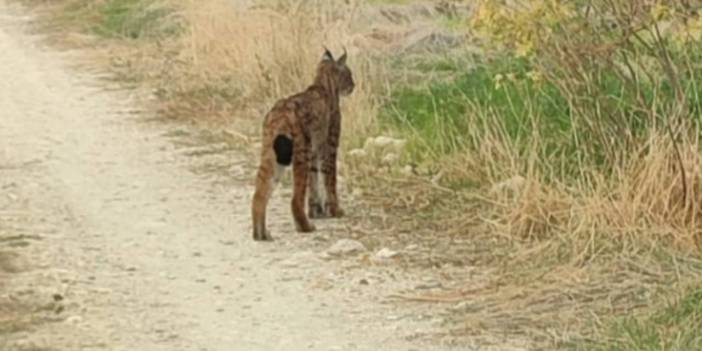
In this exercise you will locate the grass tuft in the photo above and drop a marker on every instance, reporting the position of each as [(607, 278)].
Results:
[(134, 19), (675, 327)]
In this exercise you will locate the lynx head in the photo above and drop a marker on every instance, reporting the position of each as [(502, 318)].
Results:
[(335, 74)]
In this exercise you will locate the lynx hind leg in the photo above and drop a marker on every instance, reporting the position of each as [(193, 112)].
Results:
[(264, 188), (315, 203), (273, 162)]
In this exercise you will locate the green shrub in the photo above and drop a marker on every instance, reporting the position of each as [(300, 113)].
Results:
[(133, 19)]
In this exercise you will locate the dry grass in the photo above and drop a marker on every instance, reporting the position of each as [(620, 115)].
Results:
[(643, 202), (250, 57)]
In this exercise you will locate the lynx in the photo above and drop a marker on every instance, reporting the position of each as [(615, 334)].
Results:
[(303, 130)]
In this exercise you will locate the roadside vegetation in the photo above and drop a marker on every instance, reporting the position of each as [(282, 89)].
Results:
[(557, 146)]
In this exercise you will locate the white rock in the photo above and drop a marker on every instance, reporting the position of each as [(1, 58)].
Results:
[(346, 247), (378, 142), (382, 142), (358, 153), (386, 253), (74, 320), (390, 158)]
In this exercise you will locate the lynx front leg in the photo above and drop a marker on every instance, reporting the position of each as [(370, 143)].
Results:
[(301, 164), (331, 207), (315, 200)]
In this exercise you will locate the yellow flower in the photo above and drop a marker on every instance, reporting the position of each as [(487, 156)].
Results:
[(524, 48), (660, 11), (534, 76), (694, 28)]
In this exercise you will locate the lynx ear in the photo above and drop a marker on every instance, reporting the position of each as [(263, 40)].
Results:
[(327, 55), (342, 60)]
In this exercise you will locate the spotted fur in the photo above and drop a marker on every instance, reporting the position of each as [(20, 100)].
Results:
[(304, 130)]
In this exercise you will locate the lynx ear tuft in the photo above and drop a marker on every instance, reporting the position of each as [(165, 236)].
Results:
[(327, 55), (342, 59)]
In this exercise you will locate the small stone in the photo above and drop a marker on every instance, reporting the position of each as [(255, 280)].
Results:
[(345, 247), (363, 281), (300, 259), (319, 237), (104, 291), (74, 320), (57, 297), (461, 306), (386, 253), (407, 170)]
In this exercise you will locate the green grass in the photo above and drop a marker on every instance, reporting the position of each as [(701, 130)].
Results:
[(133, 19), (453, 23), (441, 64), (442, 113), (443, 116), (675, 327), (121, 19)]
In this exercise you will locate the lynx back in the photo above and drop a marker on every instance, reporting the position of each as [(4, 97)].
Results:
[(303, 130)]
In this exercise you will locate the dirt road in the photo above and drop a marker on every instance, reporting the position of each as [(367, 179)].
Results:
[(141, 253)]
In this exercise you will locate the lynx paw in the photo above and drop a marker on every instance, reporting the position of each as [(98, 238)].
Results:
[(305, 227), (335, 211), (316, 211), (264, 235)]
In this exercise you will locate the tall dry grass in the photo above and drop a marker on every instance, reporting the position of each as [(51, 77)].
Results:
[(270, 49), (643, 202)]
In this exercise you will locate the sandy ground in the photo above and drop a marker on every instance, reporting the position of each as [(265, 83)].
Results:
[(124, 247)]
